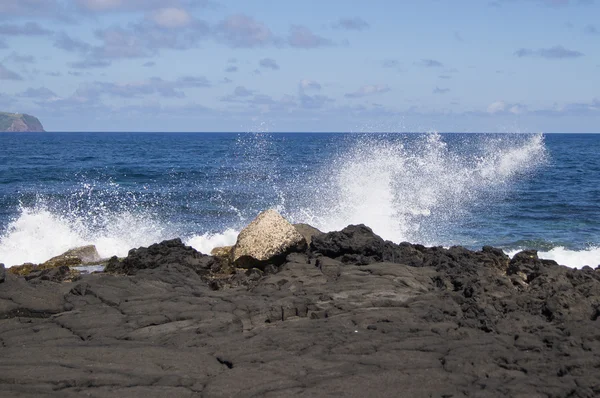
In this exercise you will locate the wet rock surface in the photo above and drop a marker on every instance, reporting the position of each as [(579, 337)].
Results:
[(352, 316), (78, 256)]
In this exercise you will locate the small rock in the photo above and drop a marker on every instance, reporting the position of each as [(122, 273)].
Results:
[(308, 231), (224, 251), (76, 256), (223, 256), (22, 270), (70, 258), (267, 239), (2, 273), (57, 274), (528, 263)]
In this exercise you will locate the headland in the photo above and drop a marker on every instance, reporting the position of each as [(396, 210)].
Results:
[(20, 123)]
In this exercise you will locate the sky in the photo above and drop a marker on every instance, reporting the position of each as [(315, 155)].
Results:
[(293, 66)]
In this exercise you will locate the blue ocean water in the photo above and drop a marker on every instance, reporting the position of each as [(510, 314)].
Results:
[(125, 190)]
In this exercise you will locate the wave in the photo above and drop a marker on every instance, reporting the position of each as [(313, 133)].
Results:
[(415, 189), (38, 234), (206, 242)]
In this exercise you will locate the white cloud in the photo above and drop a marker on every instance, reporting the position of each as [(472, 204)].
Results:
[(306, 84), (242, 31), (101, 5), (503, 107), (496, 107), (368, 90), (302, 37), (171, 17)]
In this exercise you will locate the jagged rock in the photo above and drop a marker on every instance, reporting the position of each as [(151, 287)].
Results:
[(2, 273), (62, 273), (164, 254), (269, 238), (358, 244), (22, 270), (354, 240), (307, 231), (528, 265), (224, 263), (452, 325)]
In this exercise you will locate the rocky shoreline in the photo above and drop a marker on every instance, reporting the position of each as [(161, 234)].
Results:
[(292, 311)]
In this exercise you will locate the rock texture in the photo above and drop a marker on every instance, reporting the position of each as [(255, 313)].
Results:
[(169, 253), (71, 258), (307, 231), (17, 122), (352, 316), (80, 255), (267, 239)]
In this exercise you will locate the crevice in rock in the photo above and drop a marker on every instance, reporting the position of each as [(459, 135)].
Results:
[(69, 329), (225, 362), (25, 313)]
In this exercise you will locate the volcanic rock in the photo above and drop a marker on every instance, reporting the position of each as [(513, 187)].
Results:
[(454, 324), (164, 254), (307, 231), (71, 258), (223, 251), (357, 244), (62, 273), (527, 265), (269, 238)]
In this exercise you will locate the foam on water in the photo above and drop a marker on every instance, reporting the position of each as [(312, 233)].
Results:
[(406, 191), (38, 234), (571, 258), (206, 242)]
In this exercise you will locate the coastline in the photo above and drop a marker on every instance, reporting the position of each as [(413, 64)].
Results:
[(346, 313)]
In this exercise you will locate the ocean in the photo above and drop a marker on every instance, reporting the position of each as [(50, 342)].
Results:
[(120, 191)]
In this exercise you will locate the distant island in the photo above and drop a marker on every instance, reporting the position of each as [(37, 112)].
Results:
[(19, 122)]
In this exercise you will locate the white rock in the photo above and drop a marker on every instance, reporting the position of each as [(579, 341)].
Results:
[(267, 239)]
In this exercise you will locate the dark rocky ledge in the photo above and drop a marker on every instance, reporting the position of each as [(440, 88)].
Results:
[(351, 316)]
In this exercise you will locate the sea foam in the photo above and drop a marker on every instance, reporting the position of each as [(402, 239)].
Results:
[(571, 258), (416, 192), (38, 234), (412, 191)]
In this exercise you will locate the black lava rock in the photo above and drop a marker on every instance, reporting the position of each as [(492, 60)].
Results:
[(354, 316), (164, 254)]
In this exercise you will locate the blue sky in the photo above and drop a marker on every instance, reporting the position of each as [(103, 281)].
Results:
[(260, 65)]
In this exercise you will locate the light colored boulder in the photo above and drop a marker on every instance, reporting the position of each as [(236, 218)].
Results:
[(76, 256), (70, 258), (266, 240)]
